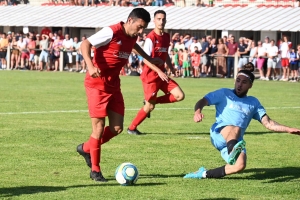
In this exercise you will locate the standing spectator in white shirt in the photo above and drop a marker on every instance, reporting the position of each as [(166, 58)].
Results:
[(284, 51), (195, 44), (68, 48), (272, 60)]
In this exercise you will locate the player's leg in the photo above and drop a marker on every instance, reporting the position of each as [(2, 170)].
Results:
[(173, 92), (150, 92)]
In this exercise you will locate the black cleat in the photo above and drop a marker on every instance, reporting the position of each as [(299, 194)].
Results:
[(148, 115), (133, 132), (97, 176), (86, 156)]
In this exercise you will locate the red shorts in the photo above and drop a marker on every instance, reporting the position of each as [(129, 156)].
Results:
[(151, 89), (285, 62), (99, 102), (25, 55)]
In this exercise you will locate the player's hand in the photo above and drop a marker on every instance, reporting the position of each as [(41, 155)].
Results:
[(198, 117), (156, 61), (163, 76), (94, 72), (294, 131)]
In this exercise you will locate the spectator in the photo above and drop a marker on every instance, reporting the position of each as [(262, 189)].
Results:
[(213, 60), (253, 53), (196, 62), (187, 40), (232, 49), (284, 51), (225, 41), (272, 60), (55, 52), (175, 38), (140, 42), (200, 3), (159, 2), (37, 53), (242, 52), (14, 54), (81, 60), (31, 47), (22, 45), (204, 57), (68, 50), (266, 45), (176, 63), (3, 50), (294, 65), (44, 47), (195, 44), (59, 33), (180, 45), (185, 64), (221, 60), (261, 53), (76, 46)]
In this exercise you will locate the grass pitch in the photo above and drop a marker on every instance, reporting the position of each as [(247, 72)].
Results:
[(44, 117)]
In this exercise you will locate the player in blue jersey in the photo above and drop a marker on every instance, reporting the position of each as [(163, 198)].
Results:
[(234, 111)]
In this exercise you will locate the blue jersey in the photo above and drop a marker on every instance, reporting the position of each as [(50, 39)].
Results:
[(233, 110)]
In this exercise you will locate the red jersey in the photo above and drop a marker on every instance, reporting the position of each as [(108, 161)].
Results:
[(195, 59), (112, 50), (155, 46)]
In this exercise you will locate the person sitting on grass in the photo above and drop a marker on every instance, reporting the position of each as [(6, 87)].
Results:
[(234, 111)]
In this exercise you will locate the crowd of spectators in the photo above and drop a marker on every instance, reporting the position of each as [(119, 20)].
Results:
[(190, 56), (33, 51), (215, 57)]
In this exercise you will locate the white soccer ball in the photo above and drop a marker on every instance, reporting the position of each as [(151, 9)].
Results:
[(127, 174)]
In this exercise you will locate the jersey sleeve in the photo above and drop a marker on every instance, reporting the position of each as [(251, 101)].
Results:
[(101, 38), (214, 97), (259, 113), (148, 46)]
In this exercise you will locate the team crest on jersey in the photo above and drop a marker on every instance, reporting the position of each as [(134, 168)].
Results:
[(161, 49), (121, 54), (119, 43)]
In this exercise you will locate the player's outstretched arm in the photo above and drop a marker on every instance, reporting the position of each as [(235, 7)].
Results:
[(198, 116), (274, 126)]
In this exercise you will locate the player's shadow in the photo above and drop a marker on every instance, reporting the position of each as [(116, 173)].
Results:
[(271, 175), (161, 176)]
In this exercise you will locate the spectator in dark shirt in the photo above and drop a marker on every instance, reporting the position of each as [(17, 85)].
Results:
[(213, 60), (243, 53), (204, 57)]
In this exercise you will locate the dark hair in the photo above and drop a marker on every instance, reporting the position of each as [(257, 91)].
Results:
[(160, 12), (247, 69), (140, 13), (272, 41)]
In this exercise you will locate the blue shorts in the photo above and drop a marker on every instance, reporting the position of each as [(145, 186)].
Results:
[(219, 142), (140, 58)]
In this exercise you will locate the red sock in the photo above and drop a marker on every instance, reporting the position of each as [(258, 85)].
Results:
[(168, 98), (107, 135), (95, 151), (138, 119), (86, 147)]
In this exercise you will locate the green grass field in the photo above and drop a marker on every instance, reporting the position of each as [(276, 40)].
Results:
[(43, 117)]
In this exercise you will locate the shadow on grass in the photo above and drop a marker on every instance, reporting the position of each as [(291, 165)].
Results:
[(272, 175), (161, 176), (23, 190)]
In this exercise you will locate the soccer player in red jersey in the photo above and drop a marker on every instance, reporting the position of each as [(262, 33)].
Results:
[(153, 77), (113, 45)]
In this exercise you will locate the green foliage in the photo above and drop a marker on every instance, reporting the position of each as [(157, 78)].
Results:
[(38, 143)]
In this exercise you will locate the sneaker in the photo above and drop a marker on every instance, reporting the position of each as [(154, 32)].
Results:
[(198, 174), (81, 71), (267, 79), (97, 176), (262, 78), (86, 156), (133, 132), (70, 70), (286, 79), (84, 71), (148, 115), (236, 151)]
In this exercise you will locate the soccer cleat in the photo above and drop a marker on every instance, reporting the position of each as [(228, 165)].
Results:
[(133, 132), (97, 176), (236, 151), (198, 174), (86, 156)]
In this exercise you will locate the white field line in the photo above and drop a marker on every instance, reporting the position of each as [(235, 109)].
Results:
[(129, 109)]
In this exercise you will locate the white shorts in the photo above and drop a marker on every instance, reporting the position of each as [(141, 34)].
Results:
[(273, 63), (44, 56), (31, 57), (242, 62), (70, 57)]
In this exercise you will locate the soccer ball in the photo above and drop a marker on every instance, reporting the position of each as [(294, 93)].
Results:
[(127, 174)]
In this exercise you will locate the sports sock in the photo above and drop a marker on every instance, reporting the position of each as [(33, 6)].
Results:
[(107, 135), (188, 73), (216, 173), (168, 98), (86, 147), (230, 144), (140, 117), (95, 151)]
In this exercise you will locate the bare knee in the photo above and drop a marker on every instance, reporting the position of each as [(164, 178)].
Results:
[(116, 129), (179, 96), (238, 167), (149, 107)]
